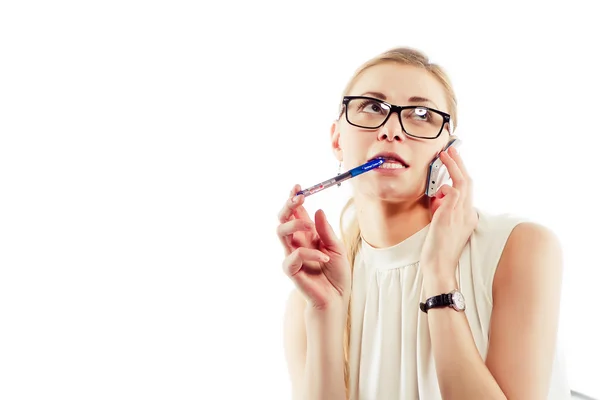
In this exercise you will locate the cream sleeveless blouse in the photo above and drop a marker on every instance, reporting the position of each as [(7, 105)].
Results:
[(390, 350)]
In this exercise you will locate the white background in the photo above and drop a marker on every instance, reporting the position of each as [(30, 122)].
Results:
[(147, 147)]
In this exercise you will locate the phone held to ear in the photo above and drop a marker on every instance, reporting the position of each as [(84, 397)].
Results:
[(438, 174)]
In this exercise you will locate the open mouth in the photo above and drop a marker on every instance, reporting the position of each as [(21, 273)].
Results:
[(392, 161)]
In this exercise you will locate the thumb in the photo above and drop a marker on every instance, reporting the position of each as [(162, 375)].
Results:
[(438, 199), (325, 231), (450, 197), (445, 198)]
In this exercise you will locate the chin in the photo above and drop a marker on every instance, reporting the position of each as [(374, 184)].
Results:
[(395, 193)]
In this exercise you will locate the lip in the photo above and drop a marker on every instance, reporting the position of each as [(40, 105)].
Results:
[(390, 154), (390, 171)]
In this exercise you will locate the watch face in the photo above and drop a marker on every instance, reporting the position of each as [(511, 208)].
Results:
[(458, 300)]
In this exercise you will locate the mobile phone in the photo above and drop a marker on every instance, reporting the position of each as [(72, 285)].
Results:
[(438, 174)]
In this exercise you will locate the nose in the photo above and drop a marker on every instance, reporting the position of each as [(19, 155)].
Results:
[(392, 130)]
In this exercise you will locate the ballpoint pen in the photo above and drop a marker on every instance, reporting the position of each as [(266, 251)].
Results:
[(375, 163)]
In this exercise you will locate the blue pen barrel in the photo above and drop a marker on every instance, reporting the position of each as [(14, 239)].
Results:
[(366, 167), (342, 177)]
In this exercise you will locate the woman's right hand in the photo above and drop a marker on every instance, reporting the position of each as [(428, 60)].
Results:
[(315, 259)]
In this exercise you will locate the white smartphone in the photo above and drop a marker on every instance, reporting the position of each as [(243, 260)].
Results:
[(438, 174)]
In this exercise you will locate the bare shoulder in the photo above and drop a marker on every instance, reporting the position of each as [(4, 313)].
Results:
[(531, 250), (526, 293), (535, 231)]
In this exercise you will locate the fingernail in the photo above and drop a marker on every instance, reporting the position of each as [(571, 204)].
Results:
[(325, 258), (294, 199)]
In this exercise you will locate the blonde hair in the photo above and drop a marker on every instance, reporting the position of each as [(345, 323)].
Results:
[(351, 235)]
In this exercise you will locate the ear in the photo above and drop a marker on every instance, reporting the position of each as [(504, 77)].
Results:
[(335, 141)]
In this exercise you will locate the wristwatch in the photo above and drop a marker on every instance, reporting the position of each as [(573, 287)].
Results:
[(453, 299)]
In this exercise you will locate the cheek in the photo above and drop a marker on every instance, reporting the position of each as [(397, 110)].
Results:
[(355, 144), (429, 157), (430, 152)]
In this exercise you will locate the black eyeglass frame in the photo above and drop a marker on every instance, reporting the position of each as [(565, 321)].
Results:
[(397, 109)]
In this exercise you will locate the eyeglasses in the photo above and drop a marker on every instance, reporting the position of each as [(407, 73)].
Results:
[(416, 121)]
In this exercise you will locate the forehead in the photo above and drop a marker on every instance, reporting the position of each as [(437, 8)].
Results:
[(400, 82)]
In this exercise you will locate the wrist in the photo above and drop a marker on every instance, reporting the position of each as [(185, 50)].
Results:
[(335, 314), (435, 284)]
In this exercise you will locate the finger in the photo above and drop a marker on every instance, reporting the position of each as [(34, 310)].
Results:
[(293, 226), (293, 207), (467, 190), (437, 199), (287, 212), (298, 201), (458, 180), (295, 190), (292, 264), (455, 155), (451, 197), (435, 204), (326, 233)]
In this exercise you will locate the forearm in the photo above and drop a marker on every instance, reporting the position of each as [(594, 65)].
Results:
[(462, 373), (324, 369)]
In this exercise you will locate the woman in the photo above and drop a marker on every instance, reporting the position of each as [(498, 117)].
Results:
[(358, 325)]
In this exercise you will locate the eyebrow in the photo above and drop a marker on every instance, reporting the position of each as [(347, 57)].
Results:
[(413, 99), (375, 94)]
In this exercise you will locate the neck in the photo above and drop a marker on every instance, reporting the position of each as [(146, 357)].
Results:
[(384, 224)]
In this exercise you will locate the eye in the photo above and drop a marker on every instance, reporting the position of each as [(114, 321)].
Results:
[(421, 113), (370, 106)]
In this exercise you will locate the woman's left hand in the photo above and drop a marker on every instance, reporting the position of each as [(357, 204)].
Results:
[(453, 221)]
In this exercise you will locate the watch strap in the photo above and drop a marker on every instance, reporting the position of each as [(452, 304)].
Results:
[(441, 300)]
